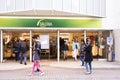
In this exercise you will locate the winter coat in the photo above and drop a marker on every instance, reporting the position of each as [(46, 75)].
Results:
[(37, 51), (88, 54), (36, 56), (82, 49), (16, 47), (23, 47), (65, 47)]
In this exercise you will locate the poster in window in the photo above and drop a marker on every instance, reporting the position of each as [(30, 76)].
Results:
[(44, 40)]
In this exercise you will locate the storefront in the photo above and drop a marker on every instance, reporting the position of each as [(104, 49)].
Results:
[(68, 29)]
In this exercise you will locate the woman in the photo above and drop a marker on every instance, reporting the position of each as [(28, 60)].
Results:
[(82, 50), (36, 57), (88, 57), (76, 48), (65, 50)]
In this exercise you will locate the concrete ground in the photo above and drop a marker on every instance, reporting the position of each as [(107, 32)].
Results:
[(63, 70)]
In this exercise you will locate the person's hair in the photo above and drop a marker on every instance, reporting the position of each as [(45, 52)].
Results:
[(83, 41), (89, 41), (17, 40), (64, 42), (34, 37)]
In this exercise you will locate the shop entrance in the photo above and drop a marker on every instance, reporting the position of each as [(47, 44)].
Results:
[(98, 38), (68, 38), (9, 38), (48, 40)]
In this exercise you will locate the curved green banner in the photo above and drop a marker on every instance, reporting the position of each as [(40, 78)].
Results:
[(50, 23)]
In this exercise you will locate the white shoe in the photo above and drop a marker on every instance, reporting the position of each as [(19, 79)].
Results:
[(42, 73), (90, 72), (87, 72)]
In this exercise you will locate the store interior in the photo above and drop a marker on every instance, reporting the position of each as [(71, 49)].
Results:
[(98, 38)]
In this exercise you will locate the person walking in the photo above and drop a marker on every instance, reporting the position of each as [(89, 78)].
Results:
[(82, 50), (65, 50), (61, 47), (88, 57), (36, 56), (76, 48), (16, 49), (23, 50)]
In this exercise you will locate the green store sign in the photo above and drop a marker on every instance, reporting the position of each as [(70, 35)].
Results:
[(50, 23)]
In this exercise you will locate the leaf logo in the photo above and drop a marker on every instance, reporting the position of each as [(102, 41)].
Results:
[(38, 23)]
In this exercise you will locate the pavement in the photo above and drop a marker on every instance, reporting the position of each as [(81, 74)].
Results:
[(63, 70), (12, 65)]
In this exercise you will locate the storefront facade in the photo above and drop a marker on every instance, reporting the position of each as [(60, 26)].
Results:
[(71, 29), (67, 19)]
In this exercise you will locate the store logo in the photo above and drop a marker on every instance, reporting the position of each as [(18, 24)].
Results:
[(44, 23)]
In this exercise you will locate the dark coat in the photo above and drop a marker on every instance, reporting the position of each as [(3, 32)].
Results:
[(82, 49), (38, 47), (65, 47), (16, 47), (88, 54), (24, 46), (37, 50), (36, 56), (61, 44)]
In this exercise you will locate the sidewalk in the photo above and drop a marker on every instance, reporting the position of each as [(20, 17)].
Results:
[(12, 65), (95, 64)]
